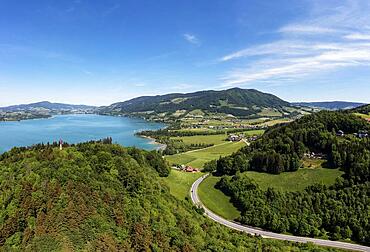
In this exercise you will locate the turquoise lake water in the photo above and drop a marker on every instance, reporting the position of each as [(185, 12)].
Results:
[(75, 129)]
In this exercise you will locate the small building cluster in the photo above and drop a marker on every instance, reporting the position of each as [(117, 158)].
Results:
[(340, 133), (235, 138), (188, 168), (314, 155), (252, 138), (362, 134)]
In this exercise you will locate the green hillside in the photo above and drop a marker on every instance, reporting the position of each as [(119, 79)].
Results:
[(197, 158), (103, 197), (337, 210), (235, 101)]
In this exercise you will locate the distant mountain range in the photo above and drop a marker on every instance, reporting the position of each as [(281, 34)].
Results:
[(45, 105), (235, 101), (333, 105), (43, 109)]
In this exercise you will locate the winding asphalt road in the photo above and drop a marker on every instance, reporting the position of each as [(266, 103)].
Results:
[(266, 234)]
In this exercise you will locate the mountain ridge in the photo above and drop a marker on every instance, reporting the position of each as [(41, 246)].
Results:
[(44, 105), (43, 109), (235, 101)]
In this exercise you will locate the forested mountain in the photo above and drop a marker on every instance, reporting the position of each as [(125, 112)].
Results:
[(338, 212), (236, 101), (334, 105), (102, 197), (44, 105)]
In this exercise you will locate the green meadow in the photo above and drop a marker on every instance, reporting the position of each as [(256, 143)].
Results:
[(296, 181), (215, 200), (198, 158), (363, 115), (180, 182)]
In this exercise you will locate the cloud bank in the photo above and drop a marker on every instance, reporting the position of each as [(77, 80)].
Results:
[(333, 37)]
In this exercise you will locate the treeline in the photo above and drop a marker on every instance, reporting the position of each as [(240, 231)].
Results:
[(281, 147), (103, 197), (363, 109), (183, 133), (50, 145), (175, 146), (340, 212)]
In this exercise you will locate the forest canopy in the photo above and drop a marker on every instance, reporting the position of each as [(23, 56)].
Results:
[(100, 196)]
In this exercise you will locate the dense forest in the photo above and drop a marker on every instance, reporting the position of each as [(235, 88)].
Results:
[(338, 212), (98, 196), (281, 147), (363, 109)]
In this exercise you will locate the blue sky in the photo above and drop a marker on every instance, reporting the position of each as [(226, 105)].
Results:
[(100, 52)]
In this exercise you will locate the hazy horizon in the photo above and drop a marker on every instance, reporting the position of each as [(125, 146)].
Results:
[(98, 53)]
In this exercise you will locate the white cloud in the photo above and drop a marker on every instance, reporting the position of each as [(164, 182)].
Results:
[(358, 36), (311, 29), (333, 37), (191, 38)]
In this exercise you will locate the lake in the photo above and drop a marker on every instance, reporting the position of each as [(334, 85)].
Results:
[(75, 129)]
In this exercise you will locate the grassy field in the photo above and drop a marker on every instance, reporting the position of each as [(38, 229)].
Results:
[(220, 204), (313, 163), (215, 200), (277, 121), (195, 130), (198, 158), (213, 139), (180, 182), (270, 113), (254, 132), (363, 115), (296, 181)]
